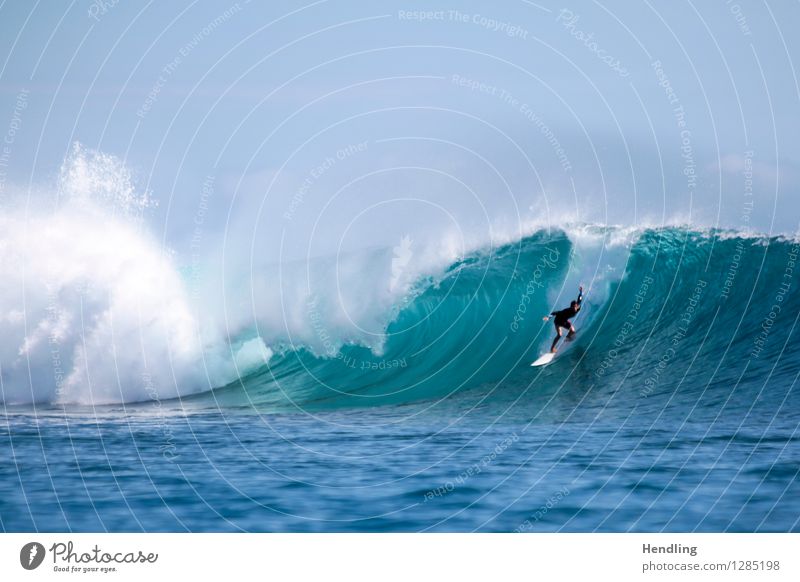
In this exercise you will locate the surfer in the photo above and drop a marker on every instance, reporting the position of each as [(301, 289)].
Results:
[(563, 319)]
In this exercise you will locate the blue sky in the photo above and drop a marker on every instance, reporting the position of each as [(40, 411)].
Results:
[(467, 117)]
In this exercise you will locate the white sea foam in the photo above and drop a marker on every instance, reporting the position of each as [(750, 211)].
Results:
[(93, 309)]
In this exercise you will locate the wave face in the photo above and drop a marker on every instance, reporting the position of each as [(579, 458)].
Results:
[(669, 311), (472, 324)]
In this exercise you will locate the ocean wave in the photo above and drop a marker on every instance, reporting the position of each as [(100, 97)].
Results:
[(659, 302), (96, 311)]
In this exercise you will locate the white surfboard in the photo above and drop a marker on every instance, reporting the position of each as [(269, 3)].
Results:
[(544, 360)]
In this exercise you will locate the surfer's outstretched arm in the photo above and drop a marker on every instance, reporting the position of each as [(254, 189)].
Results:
[(580, 294)]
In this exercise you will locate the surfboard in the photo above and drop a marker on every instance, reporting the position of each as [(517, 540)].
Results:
[(544, 360)]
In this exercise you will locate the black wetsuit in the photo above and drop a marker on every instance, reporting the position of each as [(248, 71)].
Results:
[(563, 316)]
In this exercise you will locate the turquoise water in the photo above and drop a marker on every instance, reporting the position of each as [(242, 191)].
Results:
[(675, 409)]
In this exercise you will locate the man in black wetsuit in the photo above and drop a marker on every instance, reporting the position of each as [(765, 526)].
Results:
[(563, 319)]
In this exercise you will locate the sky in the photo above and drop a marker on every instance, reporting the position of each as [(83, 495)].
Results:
[(281, 130)]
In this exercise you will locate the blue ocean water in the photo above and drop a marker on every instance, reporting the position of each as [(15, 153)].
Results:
[(676, 408)]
